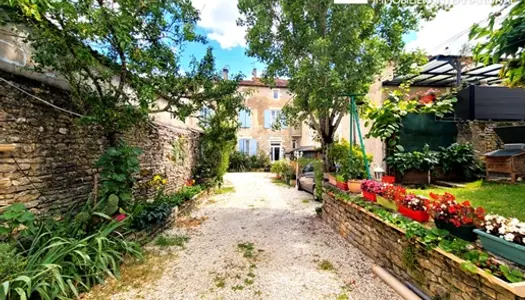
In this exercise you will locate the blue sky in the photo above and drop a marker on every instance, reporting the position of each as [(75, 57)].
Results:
[(446, 34)]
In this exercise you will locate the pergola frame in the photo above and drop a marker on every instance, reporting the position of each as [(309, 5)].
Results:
[(449, 70)]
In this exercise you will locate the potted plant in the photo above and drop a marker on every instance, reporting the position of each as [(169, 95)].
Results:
[(413, 167), (390, 195), (504, 237), (457, 162), (388, 179), (331, 179), (414, 207), (460, 219), (341, 182), (370, 189)]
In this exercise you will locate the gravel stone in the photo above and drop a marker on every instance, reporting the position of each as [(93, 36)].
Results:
[(289, 239)]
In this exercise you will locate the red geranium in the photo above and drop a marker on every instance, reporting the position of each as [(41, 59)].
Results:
[(446, 208), (394, 192)]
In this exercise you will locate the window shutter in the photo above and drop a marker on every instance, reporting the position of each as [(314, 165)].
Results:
[(241, 145), (253, 147), (242, 118), (267, 118), (248, 118)]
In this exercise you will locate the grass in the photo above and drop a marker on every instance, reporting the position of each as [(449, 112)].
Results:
[(175, 240), (225, 190), (220, 281), (247, 249), (306, 201), (497, 198), (326, 265), (280, 182)]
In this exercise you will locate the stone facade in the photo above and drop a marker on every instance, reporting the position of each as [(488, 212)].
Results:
[(481, 134), (436, 273), (261, 100), (52, 166)]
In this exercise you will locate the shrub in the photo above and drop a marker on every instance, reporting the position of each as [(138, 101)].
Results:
[(348, 166), (459, 158), (11, 262), (241, 162), (403, 161), (147, 215), (279, 167)]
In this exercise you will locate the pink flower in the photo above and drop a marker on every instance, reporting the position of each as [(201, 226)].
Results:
[(119, 217)]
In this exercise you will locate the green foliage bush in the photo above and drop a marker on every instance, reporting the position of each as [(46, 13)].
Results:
[(242, 162), (118, 166), (420, 160), (11, 262), (459, 158), (349, 165)]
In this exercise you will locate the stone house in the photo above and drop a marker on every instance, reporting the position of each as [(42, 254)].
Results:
[(264, 104)]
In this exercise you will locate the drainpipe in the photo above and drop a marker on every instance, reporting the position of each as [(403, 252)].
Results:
[(395, 284)]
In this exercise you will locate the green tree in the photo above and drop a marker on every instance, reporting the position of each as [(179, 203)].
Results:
[(120, 56), (327, 51), (503, 41)]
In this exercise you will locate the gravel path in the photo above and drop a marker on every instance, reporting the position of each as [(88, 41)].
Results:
[(262, 241)]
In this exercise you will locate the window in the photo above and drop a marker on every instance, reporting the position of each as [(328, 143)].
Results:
[(275, 94), (275, 151), (245, 118), (294, 144), (271, 116), (244, 146)]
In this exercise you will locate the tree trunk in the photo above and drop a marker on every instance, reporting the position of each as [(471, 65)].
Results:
[(327, 163)]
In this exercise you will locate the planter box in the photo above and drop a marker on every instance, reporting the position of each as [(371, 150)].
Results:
[(388, 179), (342, 185), (414, 176), (501, 247), (416, 215), (437, 174), (388, 204), (354, 186), (369, 196), (465, 232), (331, 179)]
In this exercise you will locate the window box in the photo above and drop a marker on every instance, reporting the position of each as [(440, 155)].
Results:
[(501, 247), (388, 204)]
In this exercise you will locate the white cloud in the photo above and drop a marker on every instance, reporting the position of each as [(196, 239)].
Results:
[(219, 18), (450, 29)]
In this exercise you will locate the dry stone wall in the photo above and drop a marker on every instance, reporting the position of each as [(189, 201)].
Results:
[(432, 271), (52, 166)]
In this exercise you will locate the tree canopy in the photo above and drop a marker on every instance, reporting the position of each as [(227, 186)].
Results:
[(327, 51), (120, 56), (504, 41)]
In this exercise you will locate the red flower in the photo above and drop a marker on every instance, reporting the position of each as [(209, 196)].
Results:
[(451, 209), (119, 217)]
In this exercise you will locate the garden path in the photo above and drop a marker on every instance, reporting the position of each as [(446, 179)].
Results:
[(261, 241)]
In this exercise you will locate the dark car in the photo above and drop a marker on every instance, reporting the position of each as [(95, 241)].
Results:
[(306, 181)]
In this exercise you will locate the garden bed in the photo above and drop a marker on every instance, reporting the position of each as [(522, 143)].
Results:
[(436, 272)]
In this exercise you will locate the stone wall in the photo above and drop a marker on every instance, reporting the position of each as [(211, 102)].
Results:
[(434, 272), (481, 134), (52, 166)]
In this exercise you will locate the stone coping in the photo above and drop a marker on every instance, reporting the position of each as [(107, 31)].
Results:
[(517, 289)]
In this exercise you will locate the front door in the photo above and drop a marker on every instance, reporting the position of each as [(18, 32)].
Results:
[(275, 151)]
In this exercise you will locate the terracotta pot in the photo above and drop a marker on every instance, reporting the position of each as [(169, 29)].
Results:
[(342, 185), (331, 179), (369, 196), (354, 185), (416, 215)]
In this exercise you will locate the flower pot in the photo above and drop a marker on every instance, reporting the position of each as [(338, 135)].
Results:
[(386, 203), (465, 232), (331, 179), (369, 196), (388, 179), (416, 215), (354, 186), (437, 174), (414, 176), (342, 185), (501, 247)]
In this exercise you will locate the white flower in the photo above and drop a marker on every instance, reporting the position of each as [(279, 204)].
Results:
[(523, 240), (514, 221), (509, 237), (502, 229), (521, 230), (489, 227)]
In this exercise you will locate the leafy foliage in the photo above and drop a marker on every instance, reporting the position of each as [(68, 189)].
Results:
[(459, 158), (503, 41), (150, 214), (13, 218), (118, 166), (242, 162), (119, 57), (11, 262), (402, 161), (350, 165), (327, 51), (318, 179)]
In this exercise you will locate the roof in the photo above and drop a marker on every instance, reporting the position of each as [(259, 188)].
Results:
[(440, 71), (280, 83)]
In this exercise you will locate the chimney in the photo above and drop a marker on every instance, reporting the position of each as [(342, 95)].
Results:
[(254, 73), (225, 74)]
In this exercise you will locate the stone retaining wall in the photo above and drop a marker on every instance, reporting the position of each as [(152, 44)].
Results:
[(52, 166), (435, 272)]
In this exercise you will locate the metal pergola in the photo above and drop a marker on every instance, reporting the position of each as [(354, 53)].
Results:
[(450, 70)]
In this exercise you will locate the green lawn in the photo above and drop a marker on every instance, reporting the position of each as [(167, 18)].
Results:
[(500, 198)]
